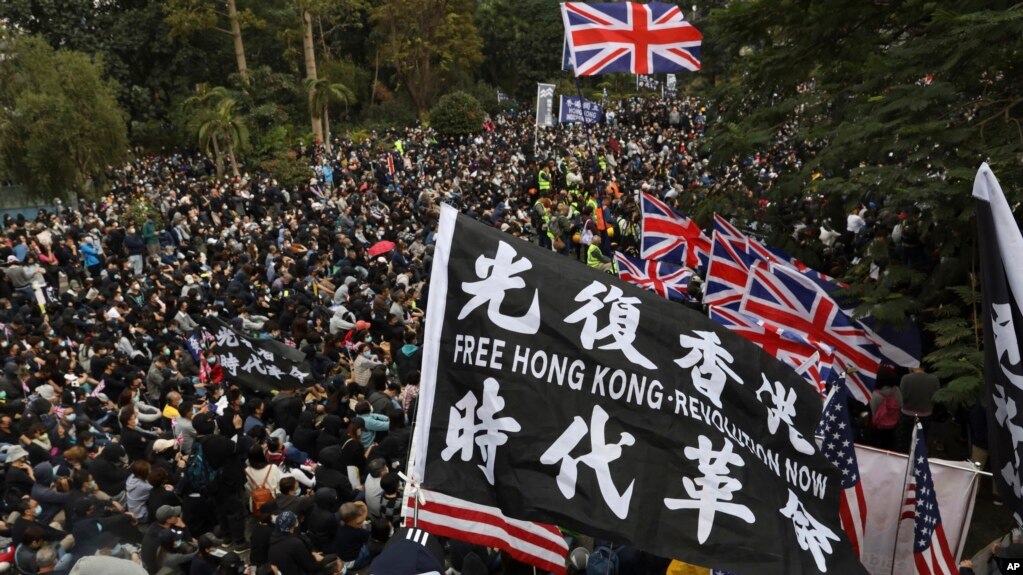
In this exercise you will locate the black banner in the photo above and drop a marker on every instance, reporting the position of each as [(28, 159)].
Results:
[(262, 365), (563, 395), (1002, 287)]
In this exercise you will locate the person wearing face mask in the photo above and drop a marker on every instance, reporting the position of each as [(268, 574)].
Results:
[(136, 247), (29, 510), (364, 364)]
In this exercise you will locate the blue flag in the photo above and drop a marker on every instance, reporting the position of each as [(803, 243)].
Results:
[(575, 109)]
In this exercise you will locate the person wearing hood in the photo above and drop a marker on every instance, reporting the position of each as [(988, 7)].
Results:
[(110, 471), (289, 553), (330, 432), (342, 321), (50, 493), (409, 358), (322, 520)]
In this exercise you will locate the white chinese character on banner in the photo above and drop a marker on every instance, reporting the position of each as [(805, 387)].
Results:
[(623, 320), (229, 363), (1006, 344), (811, 535), (300, 375), (226, 337), (274, 371), (254, 363), (488, 432), (599, 459), (497, 277), (781, 410), (709, 379), (266, 354), (712, 493)]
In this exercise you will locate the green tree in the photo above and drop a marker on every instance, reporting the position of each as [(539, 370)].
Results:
[(324, 93), (424, 39), (219, 124), (456, 114), (189, 17), (60, 125), (522, 42), (896, 103)]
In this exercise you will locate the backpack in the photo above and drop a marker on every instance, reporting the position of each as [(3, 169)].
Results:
[(603, 561), (197, 469), (887, 414), (261, 493)]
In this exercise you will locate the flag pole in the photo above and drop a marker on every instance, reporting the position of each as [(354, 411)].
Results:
[(905, 481)]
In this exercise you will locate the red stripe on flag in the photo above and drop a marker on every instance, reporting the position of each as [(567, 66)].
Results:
[(537, 547)]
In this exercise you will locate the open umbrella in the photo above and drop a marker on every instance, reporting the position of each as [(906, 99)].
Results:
[(381, 247)]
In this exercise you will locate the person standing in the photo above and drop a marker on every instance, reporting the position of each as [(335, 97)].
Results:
[(918, 388)]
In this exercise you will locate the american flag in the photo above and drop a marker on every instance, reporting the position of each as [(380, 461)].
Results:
[(783, 297), (666, 280), (836, 429), (788, 347), (536, 544), (727, 269), (931, 552), (671, 237), (629, 37)]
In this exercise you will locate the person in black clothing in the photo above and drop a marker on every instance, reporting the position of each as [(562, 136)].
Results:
[(29, 509), (110, 470), (7, 434), (20, 477), (135, 443), (330, 432), (162, 493), (289, 553), (322, 521), (225, 456), (204, 563), (261, 533)]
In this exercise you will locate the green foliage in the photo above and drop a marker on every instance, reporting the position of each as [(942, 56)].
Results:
[(60, 125), (424, 40), (393, 113), (522, 42), (457, 114), (288, 170), (141, 209), (897, 103)]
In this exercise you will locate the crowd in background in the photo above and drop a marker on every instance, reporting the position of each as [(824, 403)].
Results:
[(103, 407)]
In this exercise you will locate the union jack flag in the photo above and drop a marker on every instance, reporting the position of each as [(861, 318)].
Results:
[(759, 251), (898, 344), (727, 270), (629, 37), (671, 237), (726, 227), (836, 429), (788, 347), (781, 296), (664, 279), (931, 552)]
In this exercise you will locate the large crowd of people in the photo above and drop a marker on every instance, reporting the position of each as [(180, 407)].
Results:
[(103, 407)]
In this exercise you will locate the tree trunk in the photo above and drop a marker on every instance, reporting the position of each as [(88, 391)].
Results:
[(230, 156), (309, 48), (239, 47), (326, 130), (218, 159)]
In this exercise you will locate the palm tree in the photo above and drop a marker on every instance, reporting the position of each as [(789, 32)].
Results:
[(201, 104), (222, 129), (323, 92)]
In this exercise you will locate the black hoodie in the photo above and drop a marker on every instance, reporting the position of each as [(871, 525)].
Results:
[(322, 521)]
